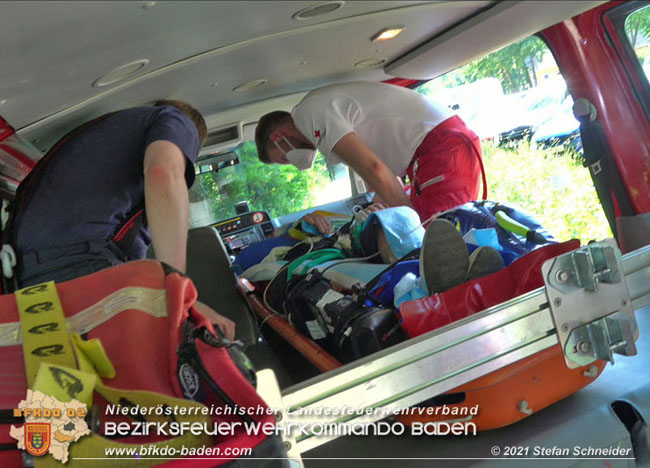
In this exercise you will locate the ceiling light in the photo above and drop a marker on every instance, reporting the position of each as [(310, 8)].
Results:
[(250, 85), (387, 33), (317, 10), (370, 63), (120, 73)]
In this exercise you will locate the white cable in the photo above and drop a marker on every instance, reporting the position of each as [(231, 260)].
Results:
[(266, 303), (266, 318)]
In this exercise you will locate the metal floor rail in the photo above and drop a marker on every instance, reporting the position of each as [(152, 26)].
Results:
[(441, 360)]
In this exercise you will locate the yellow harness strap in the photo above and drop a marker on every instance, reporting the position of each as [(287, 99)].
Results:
[(45, 337)]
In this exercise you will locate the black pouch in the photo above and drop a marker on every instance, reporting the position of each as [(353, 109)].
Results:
[(342, 314), (376, 329), (362, 330), (300, 306), (341, 324)]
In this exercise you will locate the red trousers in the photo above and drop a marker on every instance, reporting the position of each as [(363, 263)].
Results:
[(446, 169)]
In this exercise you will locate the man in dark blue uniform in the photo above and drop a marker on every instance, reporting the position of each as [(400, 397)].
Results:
[(70, 216)]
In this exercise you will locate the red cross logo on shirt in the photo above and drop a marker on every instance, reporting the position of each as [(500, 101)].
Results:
[(317, 134)]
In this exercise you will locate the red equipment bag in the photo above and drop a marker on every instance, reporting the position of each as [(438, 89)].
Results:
[(523, 275), (158, 344), (538, 380)]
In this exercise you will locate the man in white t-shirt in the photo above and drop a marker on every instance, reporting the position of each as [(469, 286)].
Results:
[(383, 132)]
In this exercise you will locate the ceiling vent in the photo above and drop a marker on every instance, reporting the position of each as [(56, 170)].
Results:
[(120, 73), (317, 10), (370, 63), (250, 85), (221, 139)]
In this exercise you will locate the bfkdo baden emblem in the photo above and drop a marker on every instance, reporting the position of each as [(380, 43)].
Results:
[(37, 438)]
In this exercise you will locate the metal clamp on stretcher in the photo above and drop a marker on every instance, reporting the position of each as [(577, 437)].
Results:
[(590, 304), (587, 306)]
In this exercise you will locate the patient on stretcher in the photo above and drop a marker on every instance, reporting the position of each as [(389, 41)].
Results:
[(329, 287), (382, 235)]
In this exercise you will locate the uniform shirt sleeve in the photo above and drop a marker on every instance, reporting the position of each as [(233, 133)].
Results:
[(326, 118), (170, 124)]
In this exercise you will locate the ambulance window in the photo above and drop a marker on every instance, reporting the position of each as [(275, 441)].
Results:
[(637, 30), (278, 189), (516, 100), (628, 26)]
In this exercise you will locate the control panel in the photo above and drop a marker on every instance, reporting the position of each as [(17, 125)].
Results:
[(244, 229), (255, 226)]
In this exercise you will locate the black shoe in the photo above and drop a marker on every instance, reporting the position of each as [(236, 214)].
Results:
[(444, 258), (482, 262)]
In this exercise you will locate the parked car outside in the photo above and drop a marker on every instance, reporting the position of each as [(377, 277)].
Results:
[(530, 109), (560, 131)]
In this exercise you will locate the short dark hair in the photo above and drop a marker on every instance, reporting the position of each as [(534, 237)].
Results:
[(191, 112), (265, 126)]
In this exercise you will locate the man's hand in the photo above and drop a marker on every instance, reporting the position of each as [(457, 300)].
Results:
[(362, 215), (374, 207), (321, 222), (227, 326)]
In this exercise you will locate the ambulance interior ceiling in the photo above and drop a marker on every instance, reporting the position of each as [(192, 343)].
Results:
[(66, 62)]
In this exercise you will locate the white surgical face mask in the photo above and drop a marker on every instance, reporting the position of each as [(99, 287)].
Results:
[(302, 158)]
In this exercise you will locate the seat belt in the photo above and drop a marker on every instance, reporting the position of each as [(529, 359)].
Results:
[(598, 159)]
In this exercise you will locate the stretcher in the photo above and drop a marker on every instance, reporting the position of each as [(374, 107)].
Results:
[(583, 315)]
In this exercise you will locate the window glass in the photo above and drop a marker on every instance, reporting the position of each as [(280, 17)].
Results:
[(516, 100), (278, 189), (637, 29)]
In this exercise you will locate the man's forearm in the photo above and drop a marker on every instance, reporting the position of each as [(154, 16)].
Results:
[(167, 208), (167, 202), (367, 164), (386, 186)]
